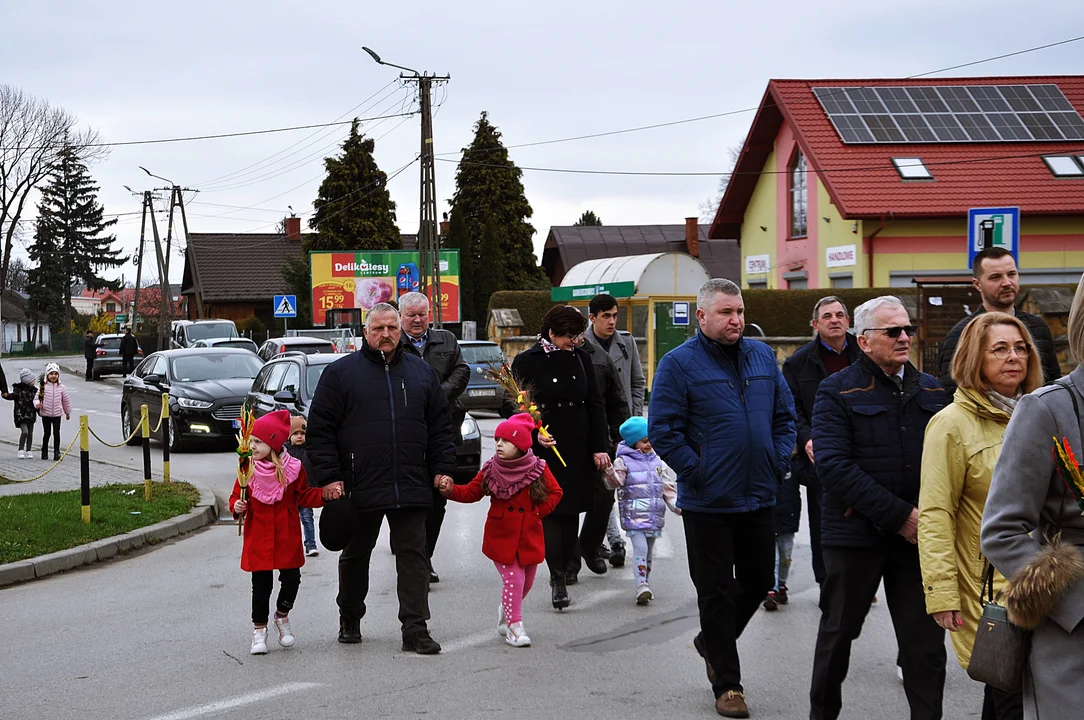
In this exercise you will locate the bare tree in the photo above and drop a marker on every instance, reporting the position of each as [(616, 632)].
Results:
[(709, 207), (32, 133), (17, 275)]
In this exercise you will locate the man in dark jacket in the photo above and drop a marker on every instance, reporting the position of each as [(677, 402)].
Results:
[(722, 417), (440, 349), (128, 349), (832, 349), (90, 348), (379, 430), (998, 282), (869, 421), (597, 516)]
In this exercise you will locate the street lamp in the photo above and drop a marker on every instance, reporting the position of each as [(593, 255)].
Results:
[(376, 57), (159, 177)]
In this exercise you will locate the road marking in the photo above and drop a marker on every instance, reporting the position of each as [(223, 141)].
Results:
[(236, 702), (490, 635)]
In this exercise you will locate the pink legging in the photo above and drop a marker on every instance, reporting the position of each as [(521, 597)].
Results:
[(517, 583)]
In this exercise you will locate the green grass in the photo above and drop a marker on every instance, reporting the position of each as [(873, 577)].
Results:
[(40, 523)]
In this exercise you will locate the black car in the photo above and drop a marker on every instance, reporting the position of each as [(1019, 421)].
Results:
[(206, 386), (482, 393), (289, 381), (240, 342)]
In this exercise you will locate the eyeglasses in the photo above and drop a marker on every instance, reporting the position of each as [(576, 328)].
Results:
[(1001, 352), (894, 332)]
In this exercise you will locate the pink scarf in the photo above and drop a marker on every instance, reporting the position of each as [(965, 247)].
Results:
[(505, 478), (264, 486)]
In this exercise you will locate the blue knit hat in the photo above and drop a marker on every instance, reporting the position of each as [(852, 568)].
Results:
[(634, 430)]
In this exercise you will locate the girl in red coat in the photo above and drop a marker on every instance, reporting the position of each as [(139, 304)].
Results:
[(522, 491), (273, 525)]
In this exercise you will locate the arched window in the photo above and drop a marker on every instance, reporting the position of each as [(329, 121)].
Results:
[(798, 195)]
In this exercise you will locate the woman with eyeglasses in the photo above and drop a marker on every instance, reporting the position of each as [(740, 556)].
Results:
[(994, 366)]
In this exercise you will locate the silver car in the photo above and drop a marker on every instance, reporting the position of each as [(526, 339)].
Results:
[(107, 359)]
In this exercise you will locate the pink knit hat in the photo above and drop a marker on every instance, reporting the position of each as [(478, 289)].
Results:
[(273, 428), (517, 430)]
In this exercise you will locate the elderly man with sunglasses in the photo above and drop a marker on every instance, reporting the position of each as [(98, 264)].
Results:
[(868, 426)]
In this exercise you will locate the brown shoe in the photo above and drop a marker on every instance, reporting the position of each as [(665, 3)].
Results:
[(731, 704)]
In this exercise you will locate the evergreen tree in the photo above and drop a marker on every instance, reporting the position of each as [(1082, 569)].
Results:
[(488, 187), (47, 281), (353, 209), (456, 238), (492, 278), (71, 228), (588, 219)]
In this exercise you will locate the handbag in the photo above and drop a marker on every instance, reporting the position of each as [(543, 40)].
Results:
[(1000, 654)]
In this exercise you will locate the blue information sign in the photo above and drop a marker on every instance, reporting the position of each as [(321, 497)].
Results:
[(993, 227), (681, 313)]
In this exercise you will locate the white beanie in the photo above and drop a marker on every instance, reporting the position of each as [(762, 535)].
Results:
[(52, 367)]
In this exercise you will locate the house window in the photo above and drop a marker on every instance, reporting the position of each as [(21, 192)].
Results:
[(912, 169), (110, 307), (1065, 165), (799, 196), (841, 280)]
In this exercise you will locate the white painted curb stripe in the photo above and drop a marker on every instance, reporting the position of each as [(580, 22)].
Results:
[(236, 702)]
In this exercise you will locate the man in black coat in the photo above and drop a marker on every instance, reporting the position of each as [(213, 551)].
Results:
[(380, 432), (869, 423), (832, 349), (90, 347), (998, 282), (129, 347), (440, 349)]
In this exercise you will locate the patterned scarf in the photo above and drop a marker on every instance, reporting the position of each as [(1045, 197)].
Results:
[(264, 486), (1002, 402), (547, 345), (505, 478)]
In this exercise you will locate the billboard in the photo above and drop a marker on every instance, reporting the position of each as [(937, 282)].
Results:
[(364, 278)]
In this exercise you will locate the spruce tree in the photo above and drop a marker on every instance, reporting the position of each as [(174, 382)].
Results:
[(488, 187), (47, 281), (491, 279), (354, 210), (457, 238), (588, 219)]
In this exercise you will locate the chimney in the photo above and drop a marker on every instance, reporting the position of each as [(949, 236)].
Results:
[(443, 228), (692, 236), (293, 228)]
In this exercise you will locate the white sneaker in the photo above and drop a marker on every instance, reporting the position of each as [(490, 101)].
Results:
[(517, 636), (259, 641), (286, 637), (502, 622), (19, 454), (312, 552), (643, 595)]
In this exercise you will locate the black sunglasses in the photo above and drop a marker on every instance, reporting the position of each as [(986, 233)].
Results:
[(894, 332)]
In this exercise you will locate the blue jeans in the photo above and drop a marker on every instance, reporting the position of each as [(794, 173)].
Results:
[(307, 528), (784, 549)]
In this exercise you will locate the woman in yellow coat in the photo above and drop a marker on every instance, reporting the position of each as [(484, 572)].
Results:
[(994, 365)]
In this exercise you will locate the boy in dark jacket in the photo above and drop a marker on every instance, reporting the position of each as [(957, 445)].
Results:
[(296, 447), (25, 416)]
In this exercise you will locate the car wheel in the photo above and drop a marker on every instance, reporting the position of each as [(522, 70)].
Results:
[(127, 424), (174, 437)]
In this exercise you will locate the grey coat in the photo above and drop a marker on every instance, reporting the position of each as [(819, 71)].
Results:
[(1026, 502), (627, 361)]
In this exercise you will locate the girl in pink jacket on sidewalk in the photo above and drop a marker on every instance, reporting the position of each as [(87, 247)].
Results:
[(51, 402)]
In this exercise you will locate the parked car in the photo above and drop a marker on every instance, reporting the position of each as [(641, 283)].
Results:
[(482, 393), (206, 386), (307, 345), (183, 333), (288, 382), (239, 342), (107, 359)]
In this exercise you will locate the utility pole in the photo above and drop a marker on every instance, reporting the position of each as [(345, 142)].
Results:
[(428, 234), (165, 299)]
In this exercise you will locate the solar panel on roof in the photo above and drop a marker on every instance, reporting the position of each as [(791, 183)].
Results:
[(951, 113)]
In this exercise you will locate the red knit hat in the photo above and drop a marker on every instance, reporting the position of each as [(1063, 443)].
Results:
[(273, 428), (517, 430)]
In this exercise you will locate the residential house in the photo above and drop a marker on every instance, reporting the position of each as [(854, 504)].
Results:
[(16, 324)]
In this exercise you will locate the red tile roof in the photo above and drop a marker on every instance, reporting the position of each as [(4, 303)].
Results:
[(862, 183)]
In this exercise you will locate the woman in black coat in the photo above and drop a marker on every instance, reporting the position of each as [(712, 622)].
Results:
[(562, 384)]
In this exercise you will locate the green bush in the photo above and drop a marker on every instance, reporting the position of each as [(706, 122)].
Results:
[(532, 305), (252, 323)]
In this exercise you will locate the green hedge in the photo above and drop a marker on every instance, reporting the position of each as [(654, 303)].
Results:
[(532, 305), (786, 313)]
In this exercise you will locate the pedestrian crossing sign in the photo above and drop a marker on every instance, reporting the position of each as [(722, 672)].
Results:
[(285, 306)]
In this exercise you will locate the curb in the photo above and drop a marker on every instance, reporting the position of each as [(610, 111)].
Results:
[(114, 380), (204, 513)]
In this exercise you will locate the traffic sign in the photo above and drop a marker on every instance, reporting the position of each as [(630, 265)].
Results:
[(285, 306), (681, 313), (993, 227), (586, 292), (121, 318)]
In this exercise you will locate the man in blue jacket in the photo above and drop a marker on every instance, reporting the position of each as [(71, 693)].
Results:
[(722, 417), (380, 431), (869, 421)]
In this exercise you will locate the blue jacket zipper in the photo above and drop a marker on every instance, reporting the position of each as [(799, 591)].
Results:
[(394, 438)]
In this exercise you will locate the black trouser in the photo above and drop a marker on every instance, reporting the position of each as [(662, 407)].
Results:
[(434, 518), (262, 582), (595, 521), (90, 368), (1000, 705), (732, 565), (846, 595), (813, 512), (127, 364), (50, 424), (411, 566), (559, 532)]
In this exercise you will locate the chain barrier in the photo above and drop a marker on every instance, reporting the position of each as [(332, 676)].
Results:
[(51, 467), (120, 444)]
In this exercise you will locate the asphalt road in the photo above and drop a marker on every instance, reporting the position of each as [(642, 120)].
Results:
[(164, 635)]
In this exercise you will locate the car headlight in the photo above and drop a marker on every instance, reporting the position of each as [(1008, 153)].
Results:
[(193, 404), (469, 428)]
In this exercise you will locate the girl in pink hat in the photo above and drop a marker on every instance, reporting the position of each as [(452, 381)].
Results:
[(522, 491), (273, 525)]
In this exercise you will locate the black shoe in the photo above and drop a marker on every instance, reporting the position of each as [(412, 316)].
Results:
[(594, 563), (45, 456), (617, 555), (603, 552), (571, 577), (349, 630), (433, 577), (698, 643), (420, 642), (781, 594), (560, 592)]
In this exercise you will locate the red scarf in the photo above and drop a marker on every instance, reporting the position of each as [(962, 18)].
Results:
[(505, 478)]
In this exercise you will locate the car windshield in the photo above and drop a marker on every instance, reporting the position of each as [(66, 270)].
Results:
[(312, 348), (202, 331), (312, 377), (194, 368), (109, 343), (482, 354)]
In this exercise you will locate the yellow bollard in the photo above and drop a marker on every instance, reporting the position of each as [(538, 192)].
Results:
[(165, 438), (84, 468), (145, 426)]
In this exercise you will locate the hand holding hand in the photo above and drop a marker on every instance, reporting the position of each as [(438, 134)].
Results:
[(239, 507), (334, 491), (909, 531), (951, 620), (444, 484), (602, 461), (809, 449)]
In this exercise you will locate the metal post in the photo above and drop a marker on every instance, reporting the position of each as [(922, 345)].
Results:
[(174, 191), (139, 261), (145, 428), (84, 468), (166, 435), (163, 290)]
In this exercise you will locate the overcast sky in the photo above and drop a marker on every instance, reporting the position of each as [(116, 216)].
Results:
[(136, 71)]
